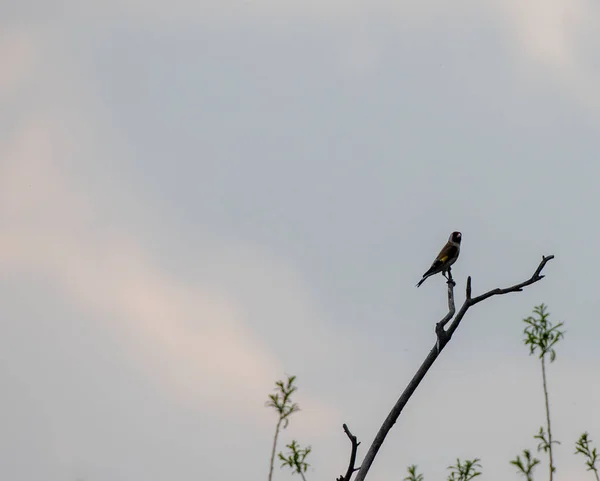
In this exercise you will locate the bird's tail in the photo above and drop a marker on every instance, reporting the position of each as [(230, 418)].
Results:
[(422, 280)]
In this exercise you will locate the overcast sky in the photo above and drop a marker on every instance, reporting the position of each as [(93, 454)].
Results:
[(198, 197)]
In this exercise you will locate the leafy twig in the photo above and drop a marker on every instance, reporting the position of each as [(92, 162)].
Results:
[(466, 471), (296, 459), (281, 401), (541, 336), (525, 466), (582, 446), (412, 474)]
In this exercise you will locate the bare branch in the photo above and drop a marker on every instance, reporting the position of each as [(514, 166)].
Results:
[(443, 337), (496, 292), (439, 327), (451, 308), (351, 469)]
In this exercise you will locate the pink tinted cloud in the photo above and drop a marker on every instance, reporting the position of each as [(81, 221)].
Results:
[(191, 338), (18, 49)]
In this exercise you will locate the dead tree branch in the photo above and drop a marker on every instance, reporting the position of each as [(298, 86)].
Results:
[(443, 337), (351, 469)]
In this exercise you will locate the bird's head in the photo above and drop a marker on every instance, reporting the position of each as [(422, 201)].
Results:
[(455, 237)]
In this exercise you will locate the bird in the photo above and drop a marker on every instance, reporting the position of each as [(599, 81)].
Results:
[(445, 258)]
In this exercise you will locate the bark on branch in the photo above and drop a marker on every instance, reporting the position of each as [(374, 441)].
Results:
[(351, 469), (443, 337)]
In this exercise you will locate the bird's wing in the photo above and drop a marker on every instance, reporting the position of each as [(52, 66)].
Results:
[(446, 255), (449, 251)]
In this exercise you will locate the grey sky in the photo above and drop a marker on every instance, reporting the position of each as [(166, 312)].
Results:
[(198, 197)]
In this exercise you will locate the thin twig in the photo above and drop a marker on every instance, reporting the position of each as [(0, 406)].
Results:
[(496, 292), (351, 469), (277, 428), (443, 337), (468, 290), (550, 457)]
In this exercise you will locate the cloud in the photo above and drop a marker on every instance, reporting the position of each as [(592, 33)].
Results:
[(553, 35), (192, 336), (556, 35), (17, 56)]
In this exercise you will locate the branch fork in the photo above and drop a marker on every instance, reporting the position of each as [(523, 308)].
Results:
[(443, 336), (351, 469)]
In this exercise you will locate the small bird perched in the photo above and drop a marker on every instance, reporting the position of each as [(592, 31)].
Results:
[(445, 258)]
